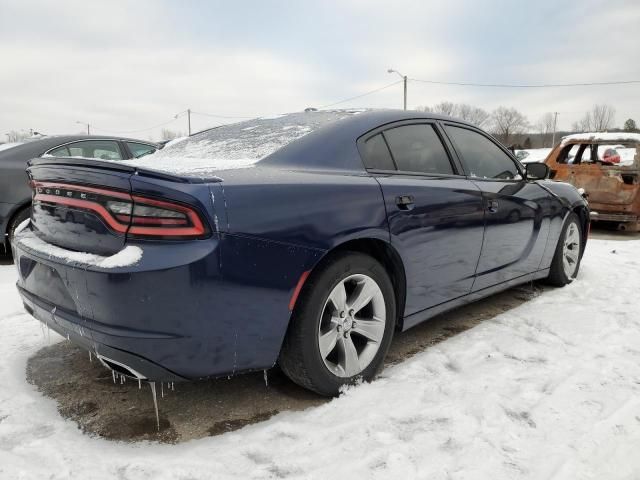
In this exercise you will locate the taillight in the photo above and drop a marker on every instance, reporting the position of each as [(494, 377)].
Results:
[(134, 215)]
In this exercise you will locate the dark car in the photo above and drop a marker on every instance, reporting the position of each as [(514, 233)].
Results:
[(305, 239), (15, 194)]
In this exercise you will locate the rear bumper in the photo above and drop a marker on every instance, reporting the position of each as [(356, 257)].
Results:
[(614, 217), (174, 315), (72, 328)]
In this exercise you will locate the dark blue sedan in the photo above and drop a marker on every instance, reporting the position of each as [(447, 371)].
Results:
[(304, 240)]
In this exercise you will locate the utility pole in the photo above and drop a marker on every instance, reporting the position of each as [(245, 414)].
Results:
[(188, 112), (555, 123), (88, 127), (404, 81), (405, 91)]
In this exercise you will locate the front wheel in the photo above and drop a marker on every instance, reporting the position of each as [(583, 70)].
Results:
[(566, 261), (342, 325)]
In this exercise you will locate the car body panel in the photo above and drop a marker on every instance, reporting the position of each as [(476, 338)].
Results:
[(516, 230)]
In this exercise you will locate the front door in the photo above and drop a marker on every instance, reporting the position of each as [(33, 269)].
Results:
[(516, 227)]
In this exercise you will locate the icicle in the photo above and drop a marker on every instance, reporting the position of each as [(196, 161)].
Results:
[(113, 374), (68, 339), (266, 380), (139, 384), (155, 403), (173, 389), (162, 389), (90, 357)]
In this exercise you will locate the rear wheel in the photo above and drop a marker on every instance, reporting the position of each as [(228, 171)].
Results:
[(342, 325), (566, 261)]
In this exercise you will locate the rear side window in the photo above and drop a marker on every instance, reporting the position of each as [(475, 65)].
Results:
[(103, 149), (376, 154), (140, 149), (483, 158), (417, 148)]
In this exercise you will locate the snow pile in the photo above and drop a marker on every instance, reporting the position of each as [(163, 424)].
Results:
[(129, 255), (238, 145), (550, 389), (616, 137), (533, 155)]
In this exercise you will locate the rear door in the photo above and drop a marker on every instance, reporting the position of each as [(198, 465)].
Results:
[(435, 214), (516, 225)]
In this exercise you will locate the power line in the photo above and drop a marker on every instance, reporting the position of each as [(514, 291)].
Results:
[(509, 85), (221, 116), (135, 131), (362, 95)]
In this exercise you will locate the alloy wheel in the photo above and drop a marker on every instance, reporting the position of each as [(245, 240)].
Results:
[(352, 325)]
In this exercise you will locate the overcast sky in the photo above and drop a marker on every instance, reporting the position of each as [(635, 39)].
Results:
[(127, 66)]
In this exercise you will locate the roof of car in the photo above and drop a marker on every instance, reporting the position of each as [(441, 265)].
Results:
[(320, 139), (602, 137), (35, 148)]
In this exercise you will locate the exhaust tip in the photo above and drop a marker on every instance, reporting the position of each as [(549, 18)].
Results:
[(120, 368)]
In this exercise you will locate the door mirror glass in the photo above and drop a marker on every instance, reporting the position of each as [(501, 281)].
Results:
[(537, 171)]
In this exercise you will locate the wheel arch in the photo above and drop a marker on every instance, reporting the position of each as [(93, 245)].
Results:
[(583, 214), (384, 253), (19, 207)]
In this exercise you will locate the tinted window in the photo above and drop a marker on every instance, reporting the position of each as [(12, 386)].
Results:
[(417, 148), (103, 149), (483, 158), (376, 154), (140, 149)]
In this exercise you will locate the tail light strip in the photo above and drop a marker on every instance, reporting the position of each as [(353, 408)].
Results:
[(189, 225)]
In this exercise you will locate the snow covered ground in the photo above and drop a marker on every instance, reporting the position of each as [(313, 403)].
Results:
[(550, 389), (534, 154)]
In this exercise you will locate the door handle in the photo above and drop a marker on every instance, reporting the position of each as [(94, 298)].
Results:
[(492, 206), (405, 202)]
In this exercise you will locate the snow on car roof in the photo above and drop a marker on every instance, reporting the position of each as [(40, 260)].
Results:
[(6, 146), (236, 145), (622, 137)]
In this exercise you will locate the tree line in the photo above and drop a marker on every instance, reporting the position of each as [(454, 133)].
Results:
[(511, 126)]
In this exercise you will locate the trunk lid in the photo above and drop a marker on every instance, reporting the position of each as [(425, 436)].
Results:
[(95, 206)]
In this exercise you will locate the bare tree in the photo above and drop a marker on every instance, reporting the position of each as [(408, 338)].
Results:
[(545, 127), (598, 119), (445, 108), (507, 122), (464, 111), (471, 114), (167, 134), (603, 117)]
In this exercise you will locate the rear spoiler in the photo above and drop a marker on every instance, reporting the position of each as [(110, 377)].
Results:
[(117, 167)]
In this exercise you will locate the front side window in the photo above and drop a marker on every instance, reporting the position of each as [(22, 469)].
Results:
[(417, 148), (483, 158), (102, 149), (140, 149)]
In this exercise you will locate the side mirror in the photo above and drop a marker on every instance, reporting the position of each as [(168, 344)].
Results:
[(536, 171)]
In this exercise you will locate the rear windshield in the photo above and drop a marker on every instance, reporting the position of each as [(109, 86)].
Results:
[(236, 145)]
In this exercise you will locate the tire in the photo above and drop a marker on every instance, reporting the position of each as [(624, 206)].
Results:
[(20, 217), (333, 310), (566, 260)]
